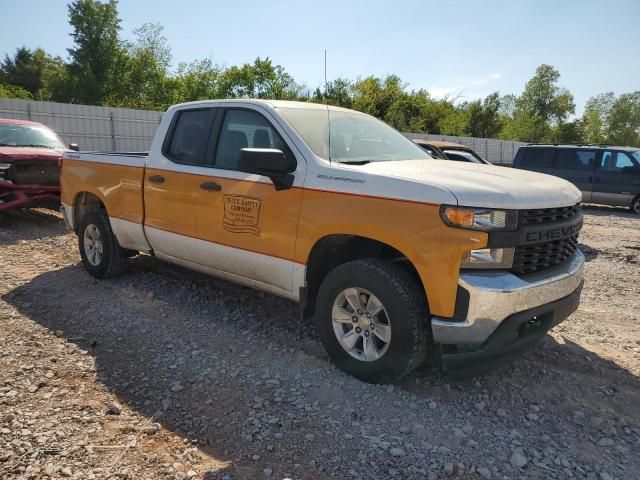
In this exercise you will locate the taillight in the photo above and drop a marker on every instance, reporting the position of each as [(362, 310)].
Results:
[(60, 163)]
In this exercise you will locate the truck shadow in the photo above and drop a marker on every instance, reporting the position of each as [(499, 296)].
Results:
[(30, 224), (606, 211), (590, 253), (196, 352)]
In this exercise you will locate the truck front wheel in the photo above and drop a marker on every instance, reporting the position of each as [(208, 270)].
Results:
[(371, 316), (101, 254)]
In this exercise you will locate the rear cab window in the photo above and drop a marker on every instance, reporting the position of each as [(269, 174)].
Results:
[(189, 137)]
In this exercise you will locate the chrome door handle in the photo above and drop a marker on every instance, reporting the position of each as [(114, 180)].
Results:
[(211, 186)]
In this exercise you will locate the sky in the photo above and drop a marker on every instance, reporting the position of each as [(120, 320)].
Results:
[(465, 49)]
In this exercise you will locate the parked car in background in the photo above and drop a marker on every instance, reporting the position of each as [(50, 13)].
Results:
[(606, 175), (451, 151), (30, 161), (393, 255)]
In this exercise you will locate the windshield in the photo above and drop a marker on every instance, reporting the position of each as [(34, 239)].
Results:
[(461, 155), (355, 137), (636, 155), (28, 136)]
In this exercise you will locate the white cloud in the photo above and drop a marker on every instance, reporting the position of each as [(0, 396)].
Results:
[(467, 89)]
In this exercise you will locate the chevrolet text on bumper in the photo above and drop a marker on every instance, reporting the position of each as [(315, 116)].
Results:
[(390, 253)]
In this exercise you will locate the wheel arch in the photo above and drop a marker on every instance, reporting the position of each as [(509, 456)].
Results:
[(334, 250), (84, 202)]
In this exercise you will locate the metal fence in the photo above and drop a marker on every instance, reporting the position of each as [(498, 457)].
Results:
[(125, 129), (93, 128)]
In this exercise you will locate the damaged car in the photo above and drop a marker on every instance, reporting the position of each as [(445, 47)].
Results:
[(30, 161)]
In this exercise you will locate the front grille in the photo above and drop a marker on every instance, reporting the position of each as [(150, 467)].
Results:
[(534, 257), (42, 172), (539, 216), (531, 258)]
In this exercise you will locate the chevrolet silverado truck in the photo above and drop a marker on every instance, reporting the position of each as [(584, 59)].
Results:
[(394, 256)]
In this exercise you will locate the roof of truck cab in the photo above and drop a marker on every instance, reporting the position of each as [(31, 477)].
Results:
[(271, 103)]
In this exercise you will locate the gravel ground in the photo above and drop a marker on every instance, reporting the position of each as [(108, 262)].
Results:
[(165, 373)]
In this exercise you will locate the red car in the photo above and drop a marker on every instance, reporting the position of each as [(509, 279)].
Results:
[(30, 160)]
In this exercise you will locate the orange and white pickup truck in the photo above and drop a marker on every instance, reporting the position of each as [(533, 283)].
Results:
[(393, 255)]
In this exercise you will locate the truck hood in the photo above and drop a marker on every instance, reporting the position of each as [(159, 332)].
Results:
[(15, 154), (476, 185)]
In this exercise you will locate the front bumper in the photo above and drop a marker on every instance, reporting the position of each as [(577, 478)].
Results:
[(514, 335), (494, 296), (19, 196), (506, 314)]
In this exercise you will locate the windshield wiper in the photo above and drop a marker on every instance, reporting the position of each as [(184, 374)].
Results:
[(355, 162)]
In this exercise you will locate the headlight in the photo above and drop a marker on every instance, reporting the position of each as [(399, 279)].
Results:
[(484, 219), (488, 258)]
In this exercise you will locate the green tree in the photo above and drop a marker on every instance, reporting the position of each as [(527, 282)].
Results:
[(409, 112), (595, 119), (338, 92), (198, 80), (374, 95), (96, 48), (542, 106), (13, 91), (484, 117), (139, 74), (261, 79), (30, 70), (624, 120)]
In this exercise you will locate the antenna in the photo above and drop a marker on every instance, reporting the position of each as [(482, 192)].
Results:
[(325, 77), (326, 92)]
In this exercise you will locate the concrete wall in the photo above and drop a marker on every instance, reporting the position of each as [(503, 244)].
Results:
[(93, 128)]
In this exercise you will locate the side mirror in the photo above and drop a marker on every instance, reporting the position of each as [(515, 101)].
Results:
[(74, 146), (269, 162)]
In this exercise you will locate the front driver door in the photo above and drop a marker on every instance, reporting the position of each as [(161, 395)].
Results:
[(249, 227)]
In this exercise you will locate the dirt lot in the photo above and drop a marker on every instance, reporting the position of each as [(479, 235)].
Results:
[(163, 373)]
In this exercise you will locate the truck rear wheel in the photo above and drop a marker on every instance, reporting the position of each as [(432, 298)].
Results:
[(101, 254), (372, 319)]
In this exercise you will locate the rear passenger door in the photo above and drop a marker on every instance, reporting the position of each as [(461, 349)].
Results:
[(616, 183), (172, 192), (578, 166)]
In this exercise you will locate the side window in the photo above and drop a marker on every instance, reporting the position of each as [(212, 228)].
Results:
[(533, 157), (189, 137), (615, 161), (244, 129), (574, 159)]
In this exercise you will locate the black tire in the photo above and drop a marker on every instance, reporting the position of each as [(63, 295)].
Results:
[(635, 205), (113, 261), (405, 305)]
